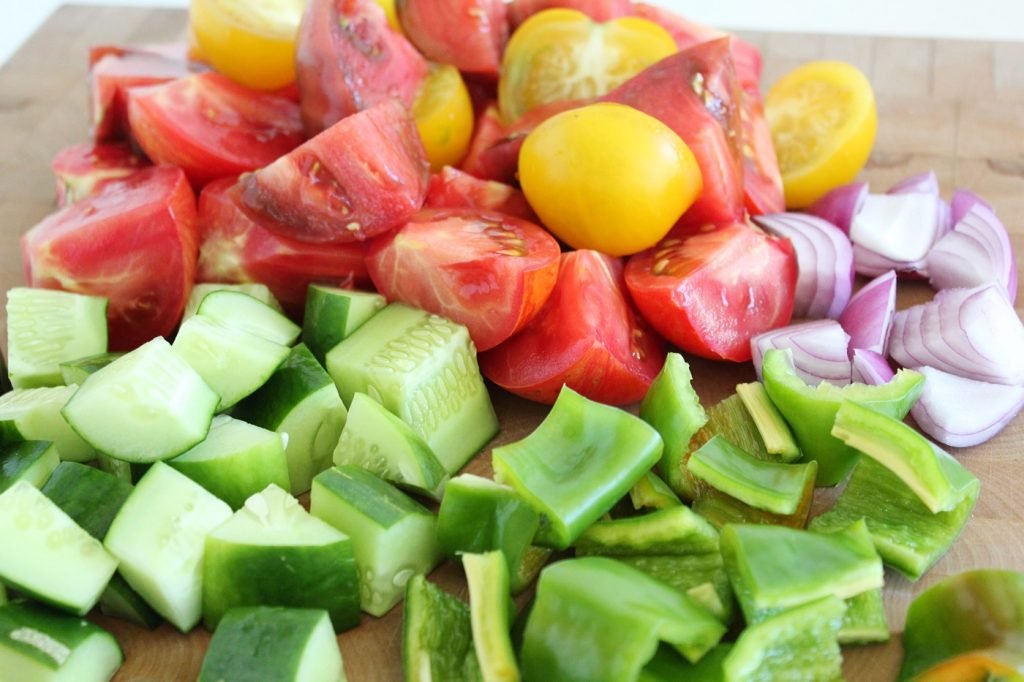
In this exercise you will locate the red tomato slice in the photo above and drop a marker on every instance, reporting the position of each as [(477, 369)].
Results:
[(762, 179), (598, 10), (708, 293), (470, 34), (211, 127), (363, 176), (488, 271), (487, 130), (586, 337), (238, 245), (133, 241), (81, 169), (452, 188), (349, 59)]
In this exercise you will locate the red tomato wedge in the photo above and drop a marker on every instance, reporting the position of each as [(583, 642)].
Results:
[(598, 10), (133, 241), (708, 293), (81, 169), (452, 188), (488, 271), (762, 179), (469, 34), (487, 130), (363, 176), (349, 59), (211, 127), (586, 337), (238, 245)]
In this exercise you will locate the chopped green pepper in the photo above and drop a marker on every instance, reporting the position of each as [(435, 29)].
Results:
[(864, 621), (487, 578), (650, 492), (775, 432), (701, 577), (676, 530), (668, 666), (437, 640)]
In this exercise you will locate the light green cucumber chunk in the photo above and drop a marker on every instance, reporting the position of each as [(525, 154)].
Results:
[(273, 643), (91, 497), (32, 461), (130, 472), (423, 369), (159, 536), (394, 537), (119, 600), (35, 414), (333, 314), (775, 432), (258, 291), (242, 311), (40, 645), (301, 402), (437, 639), (864, 621), (236, 460), (272, 552), (378, 441), (489, 599), (41, 543), (146, 406), (650, 492), (676, 530), (46, 328), (77, 371)]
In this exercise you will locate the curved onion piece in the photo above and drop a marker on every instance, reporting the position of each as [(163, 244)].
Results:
[(841, 205), (824, 262), (978, 250), (963, 412), (819, 350), (869, 367), (961, 203), (922, 183), (896, 232), (868, 315), (973, 333)]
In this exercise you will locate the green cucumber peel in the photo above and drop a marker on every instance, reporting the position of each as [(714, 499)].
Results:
[(37, 643), (91, 497), (75, 372), (32, 461), (332, 314), (261, 292)]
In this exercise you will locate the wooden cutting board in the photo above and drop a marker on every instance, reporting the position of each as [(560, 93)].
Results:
[(955, 107)]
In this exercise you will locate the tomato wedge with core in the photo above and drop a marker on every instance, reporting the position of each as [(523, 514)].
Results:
[(708, 293), (452, 188), (488, 271), (81, 169), (586, 337), (469, 34)]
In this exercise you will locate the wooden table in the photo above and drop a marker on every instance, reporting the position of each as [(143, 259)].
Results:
[(955, 107)]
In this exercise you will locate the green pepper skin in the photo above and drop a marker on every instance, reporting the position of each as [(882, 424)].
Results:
[(650, 492), (437, 637), (811, 411), (668, 666), (674, 531), (579, 462), (864, 621)]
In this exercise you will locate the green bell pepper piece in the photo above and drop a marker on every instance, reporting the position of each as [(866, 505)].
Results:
[(864, 621), (668, 666), (437, 640), (775, 432), (577, 464), (650, 492), (811, 411), (489, 599), (677, 530), (701, 577), (5, 379)]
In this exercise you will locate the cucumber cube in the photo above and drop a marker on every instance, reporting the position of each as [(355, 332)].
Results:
[(261, 292), (332, 314), (91, 497), (77, 371), (242, 311), (35, 414), (32, 461), (119, 600)]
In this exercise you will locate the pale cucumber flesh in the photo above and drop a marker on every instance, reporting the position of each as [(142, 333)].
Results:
[(35, 414), (242, 311), (199, 291)]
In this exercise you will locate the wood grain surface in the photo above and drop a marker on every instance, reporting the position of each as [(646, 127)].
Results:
[(955, 107)]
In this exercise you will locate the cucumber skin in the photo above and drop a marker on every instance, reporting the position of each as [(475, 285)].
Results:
[(91, 497), (31, 460), (77, 371), (64, 630), (119, 600), (299, 376), (5, 379), (333, 314)]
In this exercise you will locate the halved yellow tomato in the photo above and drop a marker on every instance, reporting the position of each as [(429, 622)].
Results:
[(389, 9), (444, 116)]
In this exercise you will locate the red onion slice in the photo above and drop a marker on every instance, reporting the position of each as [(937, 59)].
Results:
[(895, 232), (869, 367), (922, 183), (819, 350), (824, 262), (963, 412), (868, 316), (841, 205), (961, 203), (978, 250)]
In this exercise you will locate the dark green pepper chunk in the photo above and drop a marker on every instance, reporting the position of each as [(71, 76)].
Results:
[(437, 635)]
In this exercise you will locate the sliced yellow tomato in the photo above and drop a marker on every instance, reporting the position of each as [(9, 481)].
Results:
[(444, 116), (252, 42), (823, 121), (562, 54), (608, 177), (389, 9)]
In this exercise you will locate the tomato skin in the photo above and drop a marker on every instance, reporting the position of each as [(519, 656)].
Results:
[(133, 241), (452, 188), (598, 10), (470, 34), (349, 59), (211, 127), (762, 179), (708, 293), (363, 176), (586, 337), (82, 169)]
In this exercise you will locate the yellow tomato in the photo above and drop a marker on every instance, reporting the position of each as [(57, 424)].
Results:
[(252, 42), (389, 9), (561, 54), (444, 116), (823, 121), (608, 177)]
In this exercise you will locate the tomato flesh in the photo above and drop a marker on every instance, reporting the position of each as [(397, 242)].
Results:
[(586, 337), (598, 10), (469, 34), (708, 293), (452, 188), (133, 241), (81, 169), (762, 179)]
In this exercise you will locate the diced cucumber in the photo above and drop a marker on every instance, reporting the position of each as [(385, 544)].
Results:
[(35, 414), (272, 552), (32, 461), (232, 361), (3, 594), (236, 460), (864, 621), (394, 538), (676, 530), (146, 406), (40, 543), (650, 492), (775, 432), (332, 314), (258, 291), (489, 599), (89, 496), (300, 401), (119, 600), (159, 536), (245, 312), (47, 327), (378, 441), (423, 368), (77, 371), (701, 577), (130, 472), (273, 643), (5, 380), (437, 640), (39, 645)]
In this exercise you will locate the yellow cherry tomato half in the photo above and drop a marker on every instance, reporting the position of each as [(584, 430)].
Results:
[(389, 9), (444, 116), (252, 42), (608, 177), (562, 54)]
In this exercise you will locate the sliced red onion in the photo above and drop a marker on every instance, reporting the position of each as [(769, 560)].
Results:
[(868, 315), (922, 183), (841, 205), (963, 412), (819, 350), (824, 262), (973, 333), (961, 203), (896, 232), (978, 250), (869, 367)]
